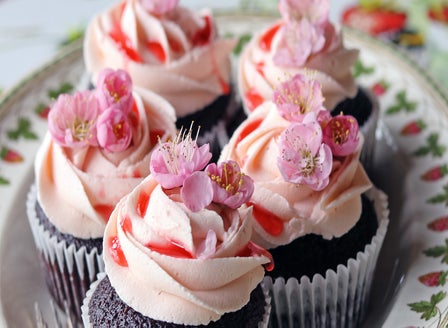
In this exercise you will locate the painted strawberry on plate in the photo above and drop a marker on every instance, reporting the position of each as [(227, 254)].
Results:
[(374, 17)]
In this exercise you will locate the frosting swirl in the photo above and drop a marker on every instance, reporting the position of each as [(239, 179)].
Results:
[(284, 211), (177, 55), (153, 260), (258, 73), (79, 187)]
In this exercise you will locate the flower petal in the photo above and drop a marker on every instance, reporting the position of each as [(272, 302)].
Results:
[(197, 191)]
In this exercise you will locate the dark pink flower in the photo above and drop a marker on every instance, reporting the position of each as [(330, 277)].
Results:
[(197, 191), (72, 119), (299, 40), (159, 7), (114, 129), (172, 162), (303, 158), (298, 96), (231, 187), (115, 88), (341, 135)]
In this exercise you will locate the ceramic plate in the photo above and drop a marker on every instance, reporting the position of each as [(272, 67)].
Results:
[(411, 166)]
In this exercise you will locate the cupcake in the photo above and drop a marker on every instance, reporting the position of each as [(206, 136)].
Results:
[(314, 207), (304, 39), (172, 51), (96, 150), (177, 249)]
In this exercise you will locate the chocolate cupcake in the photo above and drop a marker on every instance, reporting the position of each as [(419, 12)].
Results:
[(178, 249), (173, 51), (305, 41), (96, 150), (314, 207)]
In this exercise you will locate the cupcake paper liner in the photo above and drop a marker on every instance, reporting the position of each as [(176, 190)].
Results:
[(69, 271), (85, 305), (340, 298)]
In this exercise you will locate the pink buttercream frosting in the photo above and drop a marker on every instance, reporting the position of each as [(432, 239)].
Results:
[(294, 210), (258, 74), (79, 187), (177, 54), (153, 259)]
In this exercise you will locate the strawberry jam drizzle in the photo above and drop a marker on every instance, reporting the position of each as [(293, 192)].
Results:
[(104, 210), (202, 36), (142, 204), (249, 128), (124, 43), (266, 39), (157, 50), (253, 249), (126, 224), (253, 99), (271, 223), (173, 250), (116, 252)]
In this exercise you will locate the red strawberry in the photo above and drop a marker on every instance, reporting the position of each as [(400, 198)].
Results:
[(10, 156), (380, 87), (413, 128), (439, 225), (435, 173), (42, 110), (374, 22), (434, 279)]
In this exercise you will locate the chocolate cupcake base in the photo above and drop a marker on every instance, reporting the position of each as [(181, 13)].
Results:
[(104, 308)]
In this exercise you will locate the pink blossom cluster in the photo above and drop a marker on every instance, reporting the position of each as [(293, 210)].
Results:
[(303, 31), (180, 164), (99, 118), (314, 139)]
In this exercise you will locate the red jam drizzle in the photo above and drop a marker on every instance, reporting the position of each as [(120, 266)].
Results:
[(104, 210), (253, 99), (253, 249), (266, 39), (175, 45), (260, 68), (124, 43), (142, 203), (248, 129), (116, 251), (173, 250), (157, 50), (126, 224), (202, 36), (271, 223), (155, 135)]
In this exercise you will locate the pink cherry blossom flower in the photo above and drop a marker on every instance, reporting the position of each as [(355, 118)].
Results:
[(341, 135), (172, 162), (231, 187), (115, 88), (316, 11), (303, 158), (197, 191), (72, 119), (299, 40), (114, 129), (298, 96), (159, 7)]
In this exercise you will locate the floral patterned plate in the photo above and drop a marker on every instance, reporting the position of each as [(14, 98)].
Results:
[(411, 166)]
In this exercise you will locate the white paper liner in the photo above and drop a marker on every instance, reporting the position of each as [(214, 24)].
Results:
[(69, 272), (85, 305), (338, 300)]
